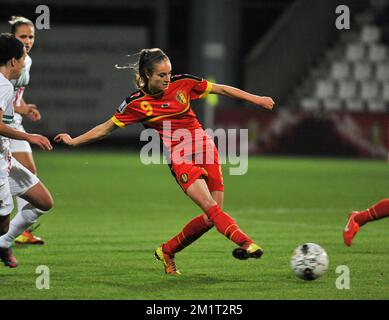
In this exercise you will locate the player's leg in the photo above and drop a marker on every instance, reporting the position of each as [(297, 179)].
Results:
[(27, 186), (39, 197), (4, 224), (195, 228), (192, 231), (199, 193), (26, 159), (184, 174), (218, 196), (357, 219), (21, 151), (6, 207), (39, 201)]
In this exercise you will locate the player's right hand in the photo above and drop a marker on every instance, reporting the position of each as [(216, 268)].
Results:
[(64, 138), (40, 141)]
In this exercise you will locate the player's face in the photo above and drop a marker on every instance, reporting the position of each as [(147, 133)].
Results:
[(26, 34), (160, 79), (18, 65)]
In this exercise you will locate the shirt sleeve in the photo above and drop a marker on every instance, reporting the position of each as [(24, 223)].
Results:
[(201, 89), (126, 115), (5, 94)]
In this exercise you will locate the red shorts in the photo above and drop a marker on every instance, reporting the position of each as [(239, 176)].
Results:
[(187, 173)]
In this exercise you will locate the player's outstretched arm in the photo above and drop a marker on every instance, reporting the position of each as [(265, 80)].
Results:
[(265, 102), (97, 133), (37, 139)]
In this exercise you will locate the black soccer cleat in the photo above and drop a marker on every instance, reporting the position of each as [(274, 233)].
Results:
[(253, 251)]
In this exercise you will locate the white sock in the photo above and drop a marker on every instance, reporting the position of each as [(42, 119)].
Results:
[(22, 220), (20, 203)]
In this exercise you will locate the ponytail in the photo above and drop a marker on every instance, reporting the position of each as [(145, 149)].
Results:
[(145, 65)]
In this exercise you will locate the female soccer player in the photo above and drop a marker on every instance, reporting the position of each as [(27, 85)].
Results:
[(15, 179), (163, 101), (357, 219), (24, 30)]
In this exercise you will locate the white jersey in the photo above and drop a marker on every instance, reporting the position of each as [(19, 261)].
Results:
[(19, 87), (6, 106)]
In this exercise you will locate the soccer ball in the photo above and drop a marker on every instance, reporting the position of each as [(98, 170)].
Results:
[(309, 261)]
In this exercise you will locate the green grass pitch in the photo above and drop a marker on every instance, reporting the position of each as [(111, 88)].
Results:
[(111, 212)]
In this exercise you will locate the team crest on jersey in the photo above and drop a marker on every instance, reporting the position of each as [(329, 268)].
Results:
[(184, 178), (181, 97)]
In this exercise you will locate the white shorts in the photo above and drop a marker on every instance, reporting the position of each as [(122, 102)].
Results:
[(20, 178), (19, 145), (6, 201)]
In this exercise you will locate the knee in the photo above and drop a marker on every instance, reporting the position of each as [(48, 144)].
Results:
[(219, 198), (46, 204), (207, 203)]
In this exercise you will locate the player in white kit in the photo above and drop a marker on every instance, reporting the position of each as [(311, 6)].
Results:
[(24, 30), (15, 179)]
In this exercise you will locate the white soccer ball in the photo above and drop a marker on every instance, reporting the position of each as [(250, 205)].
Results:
[(309, 261)]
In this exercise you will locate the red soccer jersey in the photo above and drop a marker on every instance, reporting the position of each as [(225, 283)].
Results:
[(171, 110)]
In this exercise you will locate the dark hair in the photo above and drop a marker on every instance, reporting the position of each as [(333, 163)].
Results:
[(145, 65), (10, 47), (16, 22)]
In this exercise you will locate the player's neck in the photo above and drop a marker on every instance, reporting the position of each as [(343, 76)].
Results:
[(154, 93)]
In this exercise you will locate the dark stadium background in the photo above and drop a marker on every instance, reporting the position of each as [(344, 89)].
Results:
[(282, 48), (111, 211)]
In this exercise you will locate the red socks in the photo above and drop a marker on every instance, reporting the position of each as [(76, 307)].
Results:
[(228, 226), (197, 227), (378, 211), (191, 232)]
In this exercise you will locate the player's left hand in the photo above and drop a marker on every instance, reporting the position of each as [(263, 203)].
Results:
[(33, 112), (266, 102)]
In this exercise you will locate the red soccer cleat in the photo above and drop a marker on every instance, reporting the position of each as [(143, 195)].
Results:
[(350, 229), (7, 257), (28, 238)]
